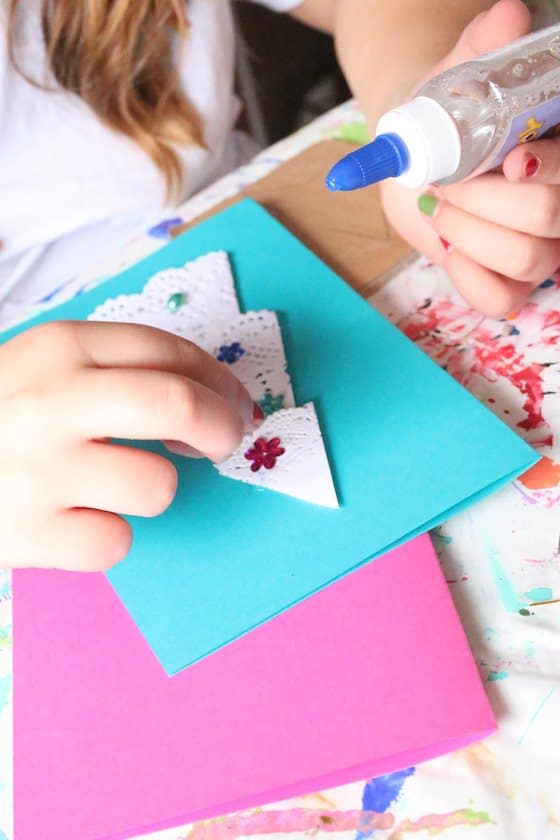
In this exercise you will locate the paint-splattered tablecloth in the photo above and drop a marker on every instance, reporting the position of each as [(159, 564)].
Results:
[(501, 560)]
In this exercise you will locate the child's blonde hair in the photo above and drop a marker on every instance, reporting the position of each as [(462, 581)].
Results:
[(118, 56)]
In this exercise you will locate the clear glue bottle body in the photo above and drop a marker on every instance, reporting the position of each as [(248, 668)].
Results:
[(464, 121)]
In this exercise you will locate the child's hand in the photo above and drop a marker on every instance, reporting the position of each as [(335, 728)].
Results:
[(497, 235), (65, 390)]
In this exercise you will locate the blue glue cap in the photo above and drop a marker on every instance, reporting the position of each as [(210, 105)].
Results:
[(385, 157)]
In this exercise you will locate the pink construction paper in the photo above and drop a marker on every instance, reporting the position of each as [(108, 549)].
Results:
[(368, 676)]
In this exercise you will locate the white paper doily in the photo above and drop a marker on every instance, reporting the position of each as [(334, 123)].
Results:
[(177, 299), (251, 345), (198, 302), (302, 471)]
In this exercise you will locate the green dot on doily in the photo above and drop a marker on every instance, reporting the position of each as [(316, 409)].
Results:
[(176, 301)]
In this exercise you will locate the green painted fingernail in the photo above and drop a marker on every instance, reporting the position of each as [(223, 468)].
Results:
[(427, 204)]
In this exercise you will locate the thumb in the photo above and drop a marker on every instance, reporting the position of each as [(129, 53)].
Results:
[(499, 26)]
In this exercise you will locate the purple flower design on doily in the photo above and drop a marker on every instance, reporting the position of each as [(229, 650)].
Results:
[(230, 353)]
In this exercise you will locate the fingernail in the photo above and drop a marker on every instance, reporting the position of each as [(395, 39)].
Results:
[(180, 448), (253, 418), (531, 165), (447, 245), (427, 204)]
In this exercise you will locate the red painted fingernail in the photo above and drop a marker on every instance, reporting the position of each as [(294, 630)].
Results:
[(445, 243), (531, 166), (258, 413)]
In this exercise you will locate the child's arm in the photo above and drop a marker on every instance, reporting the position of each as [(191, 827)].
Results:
[(386, 46), (497, 237)]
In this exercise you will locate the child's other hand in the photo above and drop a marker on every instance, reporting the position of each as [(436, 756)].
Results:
[(497, 235), (66, 389)]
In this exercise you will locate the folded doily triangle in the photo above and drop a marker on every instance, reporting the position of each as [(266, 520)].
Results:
[(251, 345), (286, 454), (179, 299)]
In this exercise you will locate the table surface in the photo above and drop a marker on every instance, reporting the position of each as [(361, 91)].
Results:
[(501, 560)]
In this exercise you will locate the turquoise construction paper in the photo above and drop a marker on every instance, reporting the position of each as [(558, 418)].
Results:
[(408, 448)]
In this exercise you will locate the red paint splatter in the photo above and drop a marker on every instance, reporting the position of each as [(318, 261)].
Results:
[(289, 821), (480, 351), (529, 382)]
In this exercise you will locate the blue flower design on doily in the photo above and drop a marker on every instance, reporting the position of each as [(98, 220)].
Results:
[(230, 353)]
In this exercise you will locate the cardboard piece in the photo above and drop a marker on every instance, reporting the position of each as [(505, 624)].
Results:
[(371, 675), (347, 230)]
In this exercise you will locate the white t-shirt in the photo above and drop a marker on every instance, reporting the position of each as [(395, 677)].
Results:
[(71, 189)]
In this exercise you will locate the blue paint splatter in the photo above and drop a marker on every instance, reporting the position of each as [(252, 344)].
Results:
[(547, 284), (441, 537), (540, 593), (508, 595), (3, 836), (535, 714), (5, 688), (47, 299), (514, 331), (379, 794), (497, 675), (163, 229)]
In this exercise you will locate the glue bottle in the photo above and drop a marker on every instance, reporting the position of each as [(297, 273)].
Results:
[(464, 121)]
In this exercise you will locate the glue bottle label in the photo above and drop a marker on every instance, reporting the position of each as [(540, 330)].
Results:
[(530, 125)]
